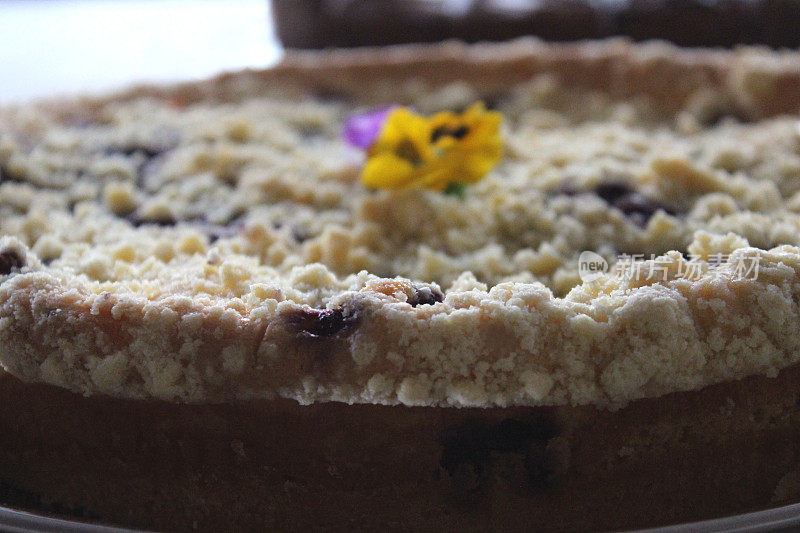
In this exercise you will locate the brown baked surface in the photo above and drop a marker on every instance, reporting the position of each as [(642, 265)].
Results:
[(723, 450)]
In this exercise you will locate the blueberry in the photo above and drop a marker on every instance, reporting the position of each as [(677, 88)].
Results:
[(9, 260), (5, 175), (630, 202), (321, 323), (425, 295), (137, 221)]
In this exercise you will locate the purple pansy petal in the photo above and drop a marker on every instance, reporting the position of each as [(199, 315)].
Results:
[(361, 130)]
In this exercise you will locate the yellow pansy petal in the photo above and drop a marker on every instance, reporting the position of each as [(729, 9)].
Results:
[(394, 129), (404, 128), (485, 132), (445, 119), (437, 175), (386, 170), (477, 112), (476, 167)]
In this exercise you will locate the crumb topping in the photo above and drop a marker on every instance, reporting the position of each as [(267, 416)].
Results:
[(212, 249)]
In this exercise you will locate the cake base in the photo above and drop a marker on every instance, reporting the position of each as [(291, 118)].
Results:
[(726, 449)]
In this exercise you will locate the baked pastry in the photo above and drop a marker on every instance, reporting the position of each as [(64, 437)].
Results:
[(207, 319)]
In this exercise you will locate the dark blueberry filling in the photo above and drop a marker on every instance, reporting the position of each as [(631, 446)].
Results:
[(148, 152), (162, 141), (612, 192), (9, 260), (300, 235), (320, 323), (426, 295), (147, 170), (149, 155), (5, 175), (630, 202), (137, 221)]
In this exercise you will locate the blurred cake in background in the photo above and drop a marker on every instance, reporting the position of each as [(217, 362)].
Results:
[(348, 23)]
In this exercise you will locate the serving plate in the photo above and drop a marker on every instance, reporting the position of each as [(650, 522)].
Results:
[(779, 519), (15, 521)]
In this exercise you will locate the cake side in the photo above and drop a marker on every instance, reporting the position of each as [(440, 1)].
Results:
[(278, 465), (211, 241)]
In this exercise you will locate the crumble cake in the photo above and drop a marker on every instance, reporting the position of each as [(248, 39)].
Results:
[(207, 319)]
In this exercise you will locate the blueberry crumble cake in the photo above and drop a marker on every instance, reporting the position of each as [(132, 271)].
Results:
[(217, 310)]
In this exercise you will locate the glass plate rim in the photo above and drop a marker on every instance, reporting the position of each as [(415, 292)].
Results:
[(774, 519)]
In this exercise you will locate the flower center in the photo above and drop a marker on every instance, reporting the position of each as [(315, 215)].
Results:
[(448, 131), (406, 150)]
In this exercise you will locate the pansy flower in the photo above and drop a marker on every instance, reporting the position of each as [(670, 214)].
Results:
[(440, 152)]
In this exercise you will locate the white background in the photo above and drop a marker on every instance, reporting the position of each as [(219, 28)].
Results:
[(48, 48)]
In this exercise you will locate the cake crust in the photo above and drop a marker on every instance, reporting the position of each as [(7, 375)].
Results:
[(360, 338)]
